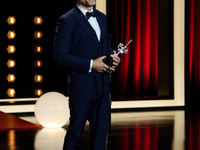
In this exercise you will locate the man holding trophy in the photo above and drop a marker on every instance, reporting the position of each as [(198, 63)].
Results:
[(81, 45)]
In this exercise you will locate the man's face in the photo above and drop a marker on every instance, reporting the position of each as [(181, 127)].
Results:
[(87, 3)]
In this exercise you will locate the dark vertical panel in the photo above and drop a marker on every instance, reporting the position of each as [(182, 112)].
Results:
[(165, 46)]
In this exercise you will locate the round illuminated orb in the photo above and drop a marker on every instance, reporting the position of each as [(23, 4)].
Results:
[(51, 110)]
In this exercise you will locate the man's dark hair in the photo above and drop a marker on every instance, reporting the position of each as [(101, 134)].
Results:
[(74, 1)]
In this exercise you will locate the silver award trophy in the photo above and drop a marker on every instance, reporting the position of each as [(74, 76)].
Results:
[(121, 50)]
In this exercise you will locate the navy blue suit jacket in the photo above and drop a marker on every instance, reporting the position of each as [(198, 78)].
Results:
[(75, 45)]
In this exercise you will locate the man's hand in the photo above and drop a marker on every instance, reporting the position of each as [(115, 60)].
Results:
[(116, 60), (100, 66)]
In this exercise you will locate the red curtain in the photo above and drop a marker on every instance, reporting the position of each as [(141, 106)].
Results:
[(138, 72), (194, 45)]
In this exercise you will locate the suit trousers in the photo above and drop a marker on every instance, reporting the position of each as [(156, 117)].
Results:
[(93, 108)]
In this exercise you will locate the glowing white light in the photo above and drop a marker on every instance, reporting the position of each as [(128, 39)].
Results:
[(48, 111)]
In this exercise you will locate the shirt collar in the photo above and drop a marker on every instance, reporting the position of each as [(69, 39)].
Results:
[(84, 11)]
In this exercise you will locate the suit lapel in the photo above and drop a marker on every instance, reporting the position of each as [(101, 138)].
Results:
[(101, 26), (83, 22)]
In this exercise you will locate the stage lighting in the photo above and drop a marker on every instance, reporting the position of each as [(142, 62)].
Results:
[(11, 49), (38, 20), (11, 35), (38, 63), (11, 20), (11, 63), (38, 92), (38, 35), (38, 78), (11, 92), (38, 49), (11, 78), (51, 110)]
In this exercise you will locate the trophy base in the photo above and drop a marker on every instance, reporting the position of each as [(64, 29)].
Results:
[(108, 61)]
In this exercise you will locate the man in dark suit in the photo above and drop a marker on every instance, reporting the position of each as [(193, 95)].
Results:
[(80, 45)]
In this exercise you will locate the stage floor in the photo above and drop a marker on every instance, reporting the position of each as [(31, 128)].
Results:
[(153, 130)]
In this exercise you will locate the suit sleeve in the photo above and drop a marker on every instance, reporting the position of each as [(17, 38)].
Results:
[(62, 42)]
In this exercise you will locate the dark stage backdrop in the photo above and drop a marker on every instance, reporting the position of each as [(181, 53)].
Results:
[(145, 72)]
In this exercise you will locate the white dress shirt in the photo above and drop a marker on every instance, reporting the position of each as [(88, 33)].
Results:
[(93, 22)]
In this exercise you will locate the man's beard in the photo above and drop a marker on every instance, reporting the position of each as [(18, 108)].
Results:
[(87, 4)]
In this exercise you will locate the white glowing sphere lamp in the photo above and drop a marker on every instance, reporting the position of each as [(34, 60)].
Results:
[(51, 110)]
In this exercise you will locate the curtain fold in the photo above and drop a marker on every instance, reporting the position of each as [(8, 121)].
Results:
[(194, 46), (138, 72)]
